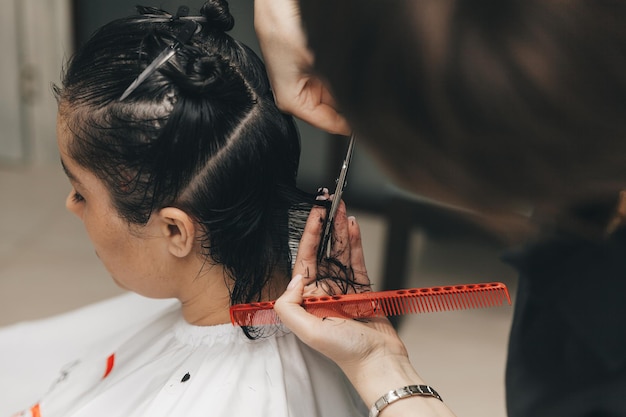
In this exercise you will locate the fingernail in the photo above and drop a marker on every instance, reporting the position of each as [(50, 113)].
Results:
[(294, 282), (322, 190), (321, 197), (352, 220)]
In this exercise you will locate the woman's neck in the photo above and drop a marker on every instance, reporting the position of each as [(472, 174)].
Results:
[(203, 310), (202, 291), (205, 298)]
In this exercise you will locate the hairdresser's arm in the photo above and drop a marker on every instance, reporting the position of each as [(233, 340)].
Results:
[(371, 354), (289, 64)]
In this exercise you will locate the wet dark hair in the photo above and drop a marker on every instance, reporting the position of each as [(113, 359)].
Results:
[(495, 101), (202, 133)]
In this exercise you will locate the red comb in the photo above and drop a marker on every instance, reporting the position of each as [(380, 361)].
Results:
[(382, 303)]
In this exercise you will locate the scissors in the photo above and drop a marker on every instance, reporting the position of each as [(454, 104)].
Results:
[(325, 244)]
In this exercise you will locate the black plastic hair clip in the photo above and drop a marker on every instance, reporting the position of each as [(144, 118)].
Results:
[(188, 29)]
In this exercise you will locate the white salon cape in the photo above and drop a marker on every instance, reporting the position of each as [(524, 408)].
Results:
[(131, 357)]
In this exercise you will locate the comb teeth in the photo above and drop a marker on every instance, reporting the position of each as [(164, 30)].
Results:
[(383, 303)]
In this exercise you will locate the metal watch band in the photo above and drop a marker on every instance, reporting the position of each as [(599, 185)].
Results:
[(398, 394)]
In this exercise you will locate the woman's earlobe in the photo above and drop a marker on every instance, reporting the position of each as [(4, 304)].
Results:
[(179, 230)]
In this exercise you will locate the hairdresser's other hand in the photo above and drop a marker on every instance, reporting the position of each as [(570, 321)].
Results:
[(289, 65), (369, 352)]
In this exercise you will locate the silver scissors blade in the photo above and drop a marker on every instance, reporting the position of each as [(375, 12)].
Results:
[(325, 244)]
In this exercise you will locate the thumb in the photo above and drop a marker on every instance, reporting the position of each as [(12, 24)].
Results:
[(289, 309)]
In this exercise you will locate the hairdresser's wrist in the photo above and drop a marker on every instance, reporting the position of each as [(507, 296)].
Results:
[(377, 375)]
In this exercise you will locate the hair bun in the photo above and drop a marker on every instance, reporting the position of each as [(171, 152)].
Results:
[(217, 15), (199, 76), (205, 77)]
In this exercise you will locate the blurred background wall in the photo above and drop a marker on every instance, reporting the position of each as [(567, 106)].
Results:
[(36, 37)]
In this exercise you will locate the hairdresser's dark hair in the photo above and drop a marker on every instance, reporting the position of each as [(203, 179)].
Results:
[(493, 99), (202, 133)]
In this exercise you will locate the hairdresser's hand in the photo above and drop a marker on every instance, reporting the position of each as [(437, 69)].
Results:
[(289, 65), (369, 352), (344, 341)]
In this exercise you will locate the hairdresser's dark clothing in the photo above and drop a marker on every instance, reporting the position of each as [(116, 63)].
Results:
[(567, 353)]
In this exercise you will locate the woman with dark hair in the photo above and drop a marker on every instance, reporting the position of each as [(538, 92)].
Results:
[(183, 172)]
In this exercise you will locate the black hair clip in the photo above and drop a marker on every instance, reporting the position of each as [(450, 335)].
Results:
[(188, 29)]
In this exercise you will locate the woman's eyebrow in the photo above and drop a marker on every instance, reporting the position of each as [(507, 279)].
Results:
[(69, 174)]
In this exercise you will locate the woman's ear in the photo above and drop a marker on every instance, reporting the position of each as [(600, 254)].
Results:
[(179, 229)]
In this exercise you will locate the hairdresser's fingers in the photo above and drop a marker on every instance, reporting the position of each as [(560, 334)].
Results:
[(357, 257), (336, 338), (306, 259), (346, 342), (291, 313), (315, 105), (323, 194), (309, 99), (340, 249), (289, 65)]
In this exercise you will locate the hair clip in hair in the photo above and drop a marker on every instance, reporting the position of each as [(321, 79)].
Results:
[(188, 29)]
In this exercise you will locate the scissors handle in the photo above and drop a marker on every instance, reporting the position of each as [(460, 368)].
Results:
[(325, 244)]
